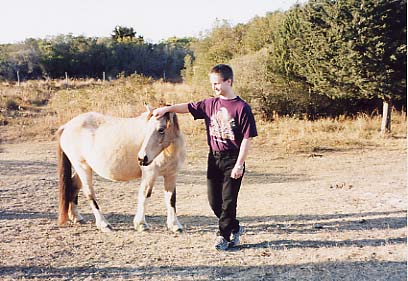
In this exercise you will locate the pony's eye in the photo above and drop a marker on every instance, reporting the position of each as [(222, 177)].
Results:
[(161, 131)]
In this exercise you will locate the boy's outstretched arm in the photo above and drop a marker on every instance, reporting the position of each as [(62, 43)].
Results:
[(176, 108)]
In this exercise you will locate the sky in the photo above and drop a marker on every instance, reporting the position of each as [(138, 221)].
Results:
[(155, 20)]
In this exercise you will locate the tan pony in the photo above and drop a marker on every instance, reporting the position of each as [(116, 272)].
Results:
[(119, 149)]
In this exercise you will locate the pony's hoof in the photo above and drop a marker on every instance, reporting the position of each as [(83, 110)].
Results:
[(142, 227), (79, 221), (76, 219), (175, 229), (106, 228)]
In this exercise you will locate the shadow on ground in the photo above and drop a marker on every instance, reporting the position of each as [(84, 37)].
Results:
[(273, 225), (371, 270)]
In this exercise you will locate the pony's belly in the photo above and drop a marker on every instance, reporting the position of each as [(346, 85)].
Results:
[(119, 171), (125, 177)]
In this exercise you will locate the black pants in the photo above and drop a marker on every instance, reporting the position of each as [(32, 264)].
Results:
[(223, 191)]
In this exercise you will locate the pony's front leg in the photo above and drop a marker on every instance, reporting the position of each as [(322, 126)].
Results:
[(170, 200), (145, 191)]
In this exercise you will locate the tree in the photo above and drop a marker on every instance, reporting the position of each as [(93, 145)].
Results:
[(382, 47), (122, 34), (220, 45), (346, 48), (23, 57), (260, 31)]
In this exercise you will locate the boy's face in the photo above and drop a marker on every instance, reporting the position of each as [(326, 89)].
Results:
[(219, 86)]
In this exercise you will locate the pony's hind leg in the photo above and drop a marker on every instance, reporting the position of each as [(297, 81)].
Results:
[(85, 174), (170, 200), (73, 213)]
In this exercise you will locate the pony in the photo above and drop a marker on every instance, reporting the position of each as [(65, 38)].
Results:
[(118, 149)]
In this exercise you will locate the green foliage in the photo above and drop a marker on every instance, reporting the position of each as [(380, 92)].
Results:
[(126, 34), (217, 47), (271, 94), (383, 48), (82, 57), (22, 57), (225, 43), (260, 31), (345, 48), (317, 61)]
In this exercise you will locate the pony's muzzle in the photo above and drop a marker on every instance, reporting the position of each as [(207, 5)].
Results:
[(143, 161)]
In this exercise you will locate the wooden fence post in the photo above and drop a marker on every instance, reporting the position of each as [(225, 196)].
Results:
[(18, 78), (66, 79)]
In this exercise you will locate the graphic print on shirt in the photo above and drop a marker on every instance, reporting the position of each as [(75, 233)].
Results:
[(221, 126)]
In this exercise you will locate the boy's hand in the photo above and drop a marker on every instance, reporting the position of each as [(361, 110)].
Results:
[(237, 172), (159, 112)]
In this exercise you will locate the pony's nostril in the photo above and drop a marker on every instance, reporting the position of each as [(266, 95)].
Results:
[(144, 161)]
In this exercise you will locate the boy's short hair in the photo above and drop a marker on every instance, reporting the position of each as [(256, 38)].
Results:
[(224, 70)]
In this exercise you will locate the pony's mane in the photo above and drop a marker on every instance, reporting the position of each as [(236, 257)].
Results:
[(174, 148), (173, 122)]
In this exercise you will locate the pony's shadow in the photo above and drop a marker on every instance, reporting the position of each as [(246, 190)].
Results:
[(191, 224)]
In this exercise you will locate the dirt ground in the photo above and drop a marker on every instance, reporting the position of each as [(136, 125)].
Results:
[(337, 215)]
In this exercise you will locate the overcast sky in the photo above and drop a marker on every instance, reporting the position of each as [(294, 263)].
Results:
[(153, 19)]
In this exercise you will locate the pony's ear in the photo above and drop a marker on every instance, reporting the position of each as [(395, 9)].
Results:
[(148, 108), (149, 111)]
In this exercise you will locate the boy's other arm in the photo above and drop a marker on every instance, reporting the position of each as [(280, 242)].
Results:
[(237, 171)]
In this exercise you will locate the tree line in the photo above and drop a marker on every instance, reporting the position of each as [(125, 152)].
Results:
[(320, 58), (123, 53)]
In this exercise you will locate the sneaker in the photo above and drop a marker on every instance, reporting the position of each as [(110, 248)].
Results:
[(235, 236), (221, 244)]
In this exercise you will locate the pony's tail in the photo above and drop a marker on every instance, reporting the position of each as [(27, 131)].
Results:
[(66, 188)]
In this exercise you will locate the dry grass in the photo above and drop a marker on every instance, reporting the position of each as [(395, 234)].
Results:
[(290, 135), (37, 108)]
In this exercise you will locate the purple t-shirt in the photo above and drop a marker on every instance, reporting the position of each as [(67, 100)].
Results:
[(228, 122)]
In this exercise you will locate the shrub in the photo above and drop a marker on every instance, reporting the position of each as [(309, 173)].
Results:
[(12, 104)]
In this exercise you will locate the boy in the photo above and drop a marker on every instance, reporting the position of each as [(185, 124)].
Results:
[(230, 126)]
